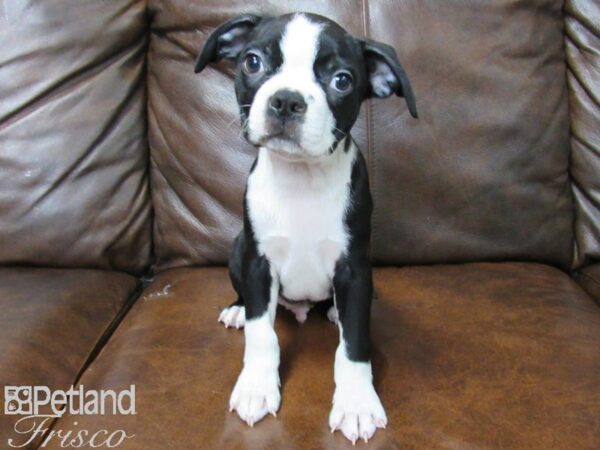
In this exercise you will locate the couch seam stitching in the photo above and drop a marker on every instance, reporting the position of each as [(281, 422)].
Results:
[(134, 295)]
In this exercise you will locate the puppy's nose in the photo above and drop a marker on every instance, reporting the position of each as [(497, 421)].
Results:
[(286, 104)]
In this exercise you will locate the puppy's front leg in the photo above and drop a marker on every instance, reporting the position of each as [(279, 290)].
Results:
[(256, 392), (357, 410)]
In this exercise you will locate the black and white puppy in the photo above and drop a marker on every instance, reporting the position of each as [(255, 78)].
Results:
[(300, 81)]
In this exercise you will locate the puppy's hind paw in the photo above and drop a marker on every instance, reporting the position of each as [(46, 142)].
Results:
[(233, 316), (332, 315)]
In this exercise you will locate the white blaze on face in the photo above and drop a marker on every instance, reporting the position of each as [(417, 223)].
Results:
[(299, 46)]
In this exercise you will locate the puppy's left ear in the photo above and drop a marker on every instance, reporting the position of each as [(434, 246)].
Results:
[(386, 75), (227, 41)]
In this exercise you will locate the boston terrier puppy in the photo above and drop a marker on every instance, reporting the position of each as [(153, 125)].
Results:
[(300, 81)]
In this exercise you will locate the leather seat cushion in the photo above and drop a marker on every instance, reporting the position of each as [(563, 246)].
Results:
[(500, 355)]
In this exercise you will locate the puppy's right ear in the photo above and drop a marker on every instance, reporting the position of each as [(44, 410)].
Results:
[(227, 41), (386, 75)]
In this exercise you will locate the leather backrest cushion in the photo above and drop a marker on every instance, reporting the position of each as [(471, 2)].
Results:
[(481, 175), (582, 24), (73, 147)]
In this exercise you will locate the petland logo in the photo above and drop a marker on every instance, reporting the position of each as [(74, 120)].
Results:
[(39, 405)]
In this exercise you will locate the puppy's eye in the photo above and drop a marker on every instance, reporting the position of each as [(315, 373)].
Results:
[(341, 81), (253, 63)]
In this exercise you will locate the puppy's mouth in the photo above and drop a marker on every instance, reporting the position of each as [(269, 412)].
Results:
[(281, 142), (280, 137)]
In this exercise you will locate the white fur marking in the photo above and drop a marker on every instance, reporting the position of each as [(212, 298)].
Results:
[(357, 411), (300, 208), (299, 45)]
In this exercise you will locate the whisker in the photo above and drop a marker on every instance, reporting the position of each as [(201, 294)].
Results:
[(345, 134), (232, 122)]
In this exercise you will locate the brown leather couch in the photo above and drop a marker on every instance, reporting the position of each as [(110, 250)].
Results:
[(121, 179)]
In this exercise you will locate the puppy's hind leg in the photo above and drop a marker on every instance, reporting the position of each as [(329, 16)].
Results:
[(235, 315)]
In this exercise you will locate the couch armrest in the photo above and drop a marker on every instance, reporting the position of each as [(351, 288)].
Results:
[(589, 279)]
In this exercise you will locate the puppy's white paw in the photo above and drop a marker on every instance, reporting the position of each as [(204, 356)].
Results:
[(255, 394), (357, 412), (332, 315), (233, 316)]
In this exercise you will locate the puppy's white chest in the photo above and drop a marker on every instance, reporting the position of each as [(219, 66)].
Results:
[(297, 212)]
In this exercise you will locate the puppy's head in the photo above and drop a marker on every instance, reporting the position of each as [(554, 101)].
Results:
[(301, 78)]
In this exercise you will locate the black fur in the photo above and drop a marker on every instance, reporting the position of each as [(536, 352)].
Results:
[(249, 272), (352, 280), (226, 41)]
